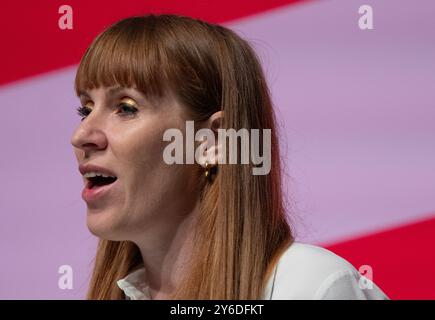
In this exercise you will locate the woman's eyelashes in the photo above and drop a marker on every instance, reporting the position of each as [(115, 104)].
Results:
[(83, 111), (126, 107)]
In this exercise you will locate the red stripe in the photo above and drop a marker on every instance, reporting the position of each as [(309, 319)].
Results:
[(402, 259), (32, 42)]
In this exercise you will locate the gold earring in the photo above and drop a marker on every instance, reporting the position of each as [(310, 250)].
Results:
[(207, 169)]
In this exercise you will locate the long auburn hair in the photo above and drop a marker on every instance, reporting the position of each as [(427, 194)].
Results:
[(243, 228)]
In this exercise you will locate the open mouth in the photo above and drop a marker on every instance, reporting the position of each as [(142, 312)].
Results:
[(98, 181)]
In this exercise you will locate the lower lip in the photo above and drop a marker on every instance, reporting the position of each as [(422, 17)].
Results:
[(97, 192)]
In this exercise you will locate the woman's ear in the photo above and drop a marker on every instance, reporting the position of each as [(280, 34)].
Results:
[(215, 121), (212, 154)]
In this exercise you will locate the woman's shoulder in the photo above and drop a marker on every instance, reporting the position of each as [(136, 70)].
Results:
[(304, 257), (306, 271)]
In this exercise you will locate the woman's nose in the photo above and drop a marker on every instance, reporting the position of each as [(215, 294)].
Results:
[(89, 135)]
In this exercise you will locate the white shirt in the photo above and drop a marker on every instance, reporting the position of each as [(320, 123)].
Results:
[(303, 271)]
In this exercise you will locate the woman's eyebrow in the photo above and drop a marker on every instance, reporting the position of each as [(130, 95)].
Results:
[(84, 93), (131, 92), (115, 89), (110, 91)]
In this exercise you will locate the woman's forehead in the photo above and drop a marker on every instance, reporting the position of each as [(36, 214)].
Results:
[(110, 90)]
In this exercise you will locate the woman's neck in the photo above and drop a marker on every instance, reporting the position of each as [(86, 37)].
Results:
[(166, 254)]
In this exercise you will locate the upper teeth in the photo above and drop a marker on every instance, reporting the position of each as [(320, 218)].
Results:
[(96, 174)]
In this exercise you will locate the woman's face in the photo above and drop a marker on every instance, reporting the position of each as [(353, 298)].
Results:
[(122, 132)]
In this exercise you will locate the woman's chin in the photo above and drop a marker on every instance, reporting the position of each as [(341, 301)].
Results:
[(102, 226)]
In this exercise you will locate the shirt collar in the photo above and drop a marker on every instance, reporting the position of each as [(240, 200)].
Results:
[(135, 287)]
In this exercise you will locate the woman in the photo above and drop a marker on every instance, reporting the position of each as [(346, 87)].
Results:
[(202, 230)]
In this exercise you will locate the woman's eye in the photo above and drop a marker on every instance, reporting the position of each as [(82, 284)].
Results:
[(127, 108), (83, 112)]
